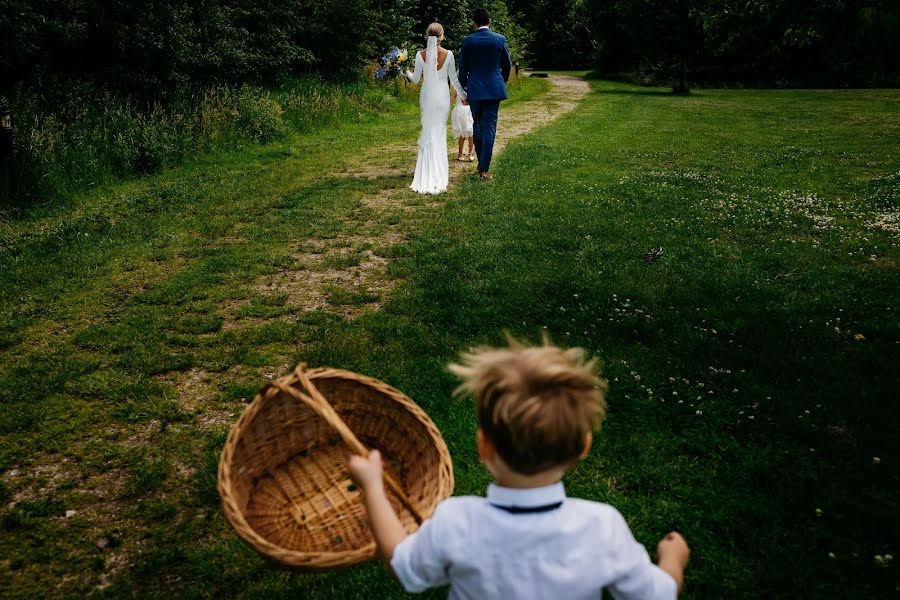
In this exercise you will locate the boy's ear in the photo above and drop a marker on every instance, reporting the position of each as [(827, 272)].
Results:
[(484, 445), (588, 440)]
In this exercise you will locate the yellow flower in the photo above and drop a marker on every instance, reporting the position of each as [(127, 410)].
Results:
[(859, 337), (402, 57)]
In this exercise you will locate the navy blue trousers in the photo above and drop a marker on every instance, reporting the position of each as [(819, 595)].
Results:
[(484, 114)]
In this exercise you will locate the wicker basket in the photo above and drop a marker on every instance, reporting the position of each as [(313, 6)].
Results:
[(283, 475)]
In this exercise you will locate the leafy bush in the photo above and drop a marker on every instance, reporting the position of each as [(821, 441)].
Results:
[(806, 42), (456, 17), (153, 48), (261, 116)]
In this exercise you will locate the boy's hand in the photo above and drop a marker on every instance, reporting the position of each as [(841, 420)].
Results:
[(674, 548), (366, 472)]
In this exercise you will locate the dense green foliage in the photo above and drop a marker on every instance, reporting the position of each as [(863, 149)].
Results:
[(456, 16), (808, 42), (150, 46)]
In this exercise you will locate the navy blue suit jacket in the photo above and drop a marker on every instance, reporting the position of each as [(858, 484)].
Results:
[(484, 65)]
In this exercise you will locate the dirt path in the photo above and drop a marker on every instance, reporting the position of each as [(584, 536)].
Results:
[(354, 264), (307, 287), (398, 159), (348, 274)]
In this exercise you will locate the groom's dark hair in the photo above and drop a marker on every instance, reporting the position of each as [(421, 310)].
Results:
[(482, 17)]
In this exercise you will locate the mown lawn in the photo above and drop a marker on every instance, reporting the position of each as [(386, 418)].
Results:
[(752, 366)]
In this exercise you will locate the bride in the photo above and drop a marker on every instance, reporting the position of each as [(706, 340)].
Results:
[(436, 64)]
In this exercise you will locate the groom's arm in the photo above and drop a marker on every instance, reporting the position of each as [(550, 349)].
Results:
[(505, 61)]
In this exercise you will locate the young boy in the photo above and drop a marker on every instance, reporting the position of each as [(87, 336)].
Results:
[(537, 408)]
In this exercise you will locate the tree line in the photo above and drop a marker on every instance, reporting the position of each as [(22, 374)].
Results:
[(756, 42), (150, 47)]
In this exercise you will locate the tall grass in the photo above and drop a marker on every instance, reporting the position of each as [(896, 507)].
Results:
[(96, 137)]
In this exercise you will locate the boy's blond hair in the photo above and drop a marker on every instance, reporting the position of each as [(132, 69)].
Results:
[(536, 404)]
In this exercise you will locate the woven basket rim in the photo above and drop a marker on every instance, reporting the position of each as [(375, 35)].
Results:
[(319, 559)]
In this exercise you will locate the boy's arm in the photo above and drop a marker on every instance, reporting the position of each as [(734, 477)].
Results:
[(635, 576), (418, 560), (672, 556), (386, 526)]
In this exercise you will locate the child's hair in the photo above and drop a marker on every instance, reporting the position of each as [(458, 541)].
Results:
[(536, 404)]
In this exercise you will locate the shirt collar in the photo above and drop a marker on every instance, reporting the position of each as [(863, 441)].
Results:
[(484, 27), (526, 497)]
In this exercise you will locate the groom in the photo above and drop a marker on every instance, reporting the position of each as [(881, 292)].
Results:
[(484, 66)]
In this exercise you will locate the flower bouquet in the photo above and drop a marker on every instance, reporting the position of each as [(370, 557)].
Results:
[(391, 65)]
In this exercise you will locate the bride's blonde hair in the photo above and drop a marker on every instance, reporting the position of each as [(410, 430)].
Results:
[(437, 30)]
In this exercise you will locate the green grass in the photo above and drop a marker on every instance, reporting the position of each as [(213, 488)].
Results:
[(756, 299), (740, 401)]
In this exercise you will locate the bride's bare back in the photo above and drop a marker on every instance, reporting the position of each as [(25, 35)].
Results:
[(441, 57)]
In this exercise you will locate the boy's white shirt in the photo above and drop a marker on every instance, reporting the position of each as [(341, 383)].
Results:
[(569, 552)]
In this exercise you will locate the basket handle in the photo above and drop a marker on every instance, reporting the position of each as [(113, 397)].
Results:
[(323, 408)]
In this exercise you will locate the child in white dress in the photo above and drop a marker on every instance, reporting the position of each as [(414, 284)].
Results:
[(462, 125)]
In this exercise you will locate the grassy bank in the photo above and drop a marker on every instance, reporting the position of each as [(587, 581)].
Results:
[(751, 366), (94, 138)]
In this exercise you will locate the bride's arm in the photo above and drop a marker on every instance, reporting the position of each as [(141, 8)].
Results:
[(414, 77), (454, 78)]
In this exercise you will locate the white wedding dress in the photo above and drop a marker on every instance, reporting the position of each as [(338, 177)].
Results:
[(432, 166)]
